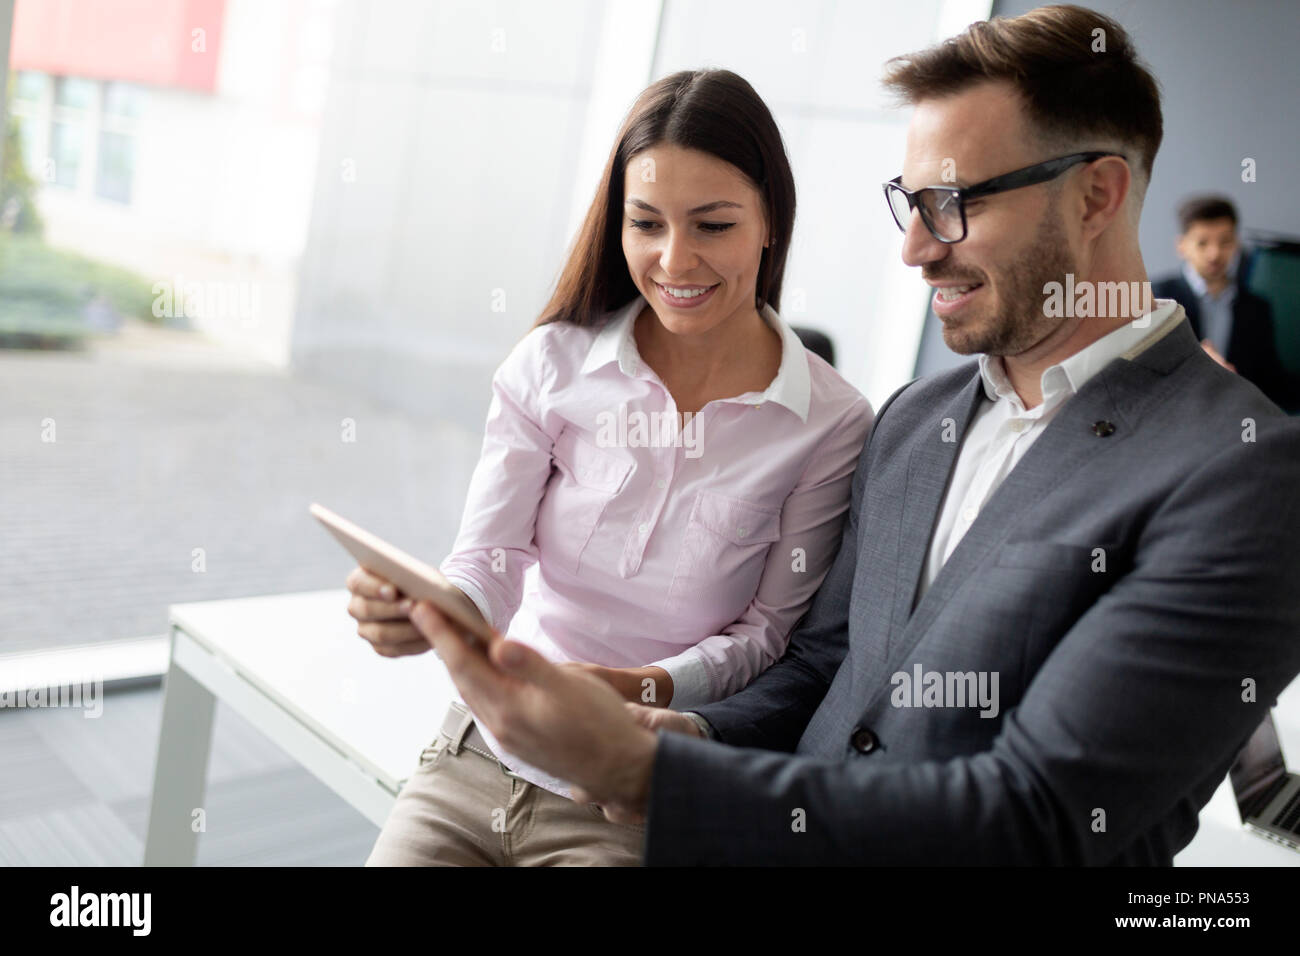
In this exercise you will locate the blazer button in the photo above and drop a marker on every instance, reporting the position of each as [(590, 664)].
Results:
[(863, 740)]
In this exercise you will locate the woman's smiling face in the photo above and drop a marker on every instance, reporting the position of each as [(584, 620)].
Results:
[(694, 228)]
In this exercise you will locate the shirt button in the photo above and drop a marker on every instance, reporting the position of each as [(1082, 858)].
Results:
[(1017, 425), (970, 514), (661, 483), (863, 740), (741, 532), (643, 528)]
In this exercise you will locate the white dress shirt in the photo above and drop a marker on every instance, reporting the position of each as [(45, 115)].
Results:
[(1002, 429)]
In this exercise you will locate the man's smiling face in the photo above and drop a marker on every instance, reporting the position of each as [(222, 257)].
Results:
[(989, 287)]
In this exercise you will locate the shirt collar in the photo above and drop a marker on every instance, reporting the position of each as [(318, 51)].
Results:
[(614, 342), (1069, 375), (1198, 284), (792, 386)]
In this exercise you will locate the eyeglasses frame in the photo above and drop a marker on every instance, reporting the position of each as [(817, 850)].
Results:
[(1016, 179)]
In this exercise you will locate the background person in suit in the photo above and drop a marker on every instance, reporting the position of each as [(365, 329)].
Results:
[(1235, 326), (1094, 521)]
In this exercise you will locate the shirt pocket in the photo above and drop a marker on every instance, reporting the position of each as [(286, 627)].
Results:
[(587, 479), (724, 551)]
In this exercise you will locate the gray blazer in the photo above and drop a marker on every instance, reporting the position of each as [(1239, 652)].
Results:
[(1123, 692)]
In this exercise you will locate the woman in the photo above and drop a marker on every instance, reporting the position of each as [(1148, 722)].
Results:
[(662, 456)]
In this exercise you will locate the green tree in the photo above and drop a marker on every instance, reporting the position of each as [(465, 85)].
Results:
[(17, 187)]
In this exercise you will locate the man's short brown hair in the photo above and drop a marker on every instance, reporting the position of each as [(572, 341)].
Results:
[(1205, 209), (1076, 83)]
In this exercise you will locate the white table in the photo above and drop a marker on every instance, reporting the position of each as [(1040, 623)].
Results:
[(292, 665)]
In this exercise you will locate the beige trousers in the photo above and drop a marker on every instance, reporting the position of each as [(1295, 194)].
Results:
[(461, 809)]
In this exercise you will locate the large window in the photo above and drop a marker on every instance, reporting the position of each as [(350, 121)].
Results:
[(74, 101), (123, 104), (80, 134), (31, 109)]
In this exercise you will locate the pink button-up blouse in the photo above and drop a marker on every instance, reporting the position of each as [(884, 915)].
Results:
[(598, 528)]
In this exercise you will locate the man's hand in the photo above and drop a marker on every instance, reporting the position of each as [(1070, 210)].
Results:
[(1214, 353), (567, 722)]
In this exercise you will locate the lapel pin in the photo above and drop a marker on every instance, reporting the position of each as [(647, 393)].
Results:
[(1102, 428)]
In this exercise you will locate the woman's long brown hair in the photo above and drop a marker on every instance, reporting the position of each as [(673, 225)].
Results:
[(715, 112)]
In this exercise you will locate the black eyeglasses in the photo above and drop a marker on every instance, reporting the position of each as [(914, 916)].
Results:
[(943, 208)]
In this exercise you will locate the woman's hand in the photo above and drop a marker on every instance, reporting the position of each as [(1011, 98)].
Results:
[(651, 686), (567, 722), (383, 615), (661, 718)]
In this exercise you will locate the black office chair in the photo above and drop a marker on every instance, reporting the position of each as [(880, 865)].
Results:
[(819, 343)]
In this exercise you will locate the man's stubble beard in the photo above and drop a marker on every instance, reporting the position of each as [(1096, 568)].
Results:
[(1021, 323)]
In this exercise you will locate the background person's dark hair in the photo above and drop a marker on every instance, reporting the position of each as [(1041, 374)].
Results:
[(1204, 209), (715, 112), (1072, 94)]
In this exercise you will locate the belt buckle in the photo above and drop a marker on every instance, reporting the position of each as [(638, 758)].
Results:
[(456, 726)]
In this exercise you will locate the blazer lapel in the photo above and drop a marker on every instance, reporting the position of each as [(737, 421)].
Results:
[(929, 468), (1117, 394)]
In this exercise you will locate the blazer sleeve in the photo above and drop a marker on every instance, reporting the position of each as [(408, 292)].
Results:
[(1154, 688), (773, 711)]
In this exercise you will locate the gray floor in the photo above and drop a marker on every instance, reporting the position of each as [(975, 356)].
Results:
[(176, 476), (76, 792)]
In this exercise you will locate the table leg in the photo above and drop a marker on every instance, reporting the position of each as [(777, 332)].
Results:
[(181, 771)]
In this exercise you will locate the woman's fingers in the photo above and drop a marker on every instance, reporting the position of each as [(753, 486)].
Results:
[(660, 718), (420, 646), (398, 637), (370, 585), (382, 615), (367, 604), (369, 609)]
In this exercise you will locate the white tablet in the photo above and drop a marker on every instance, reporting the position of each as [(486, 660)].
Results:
[(411, 576)]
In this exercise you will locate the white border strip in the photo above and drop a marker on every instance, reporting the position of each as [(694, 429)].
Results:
[(112, 661)]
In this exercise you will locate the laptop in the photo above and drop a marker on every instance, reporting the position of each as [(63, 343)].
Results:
[(1268, 797)]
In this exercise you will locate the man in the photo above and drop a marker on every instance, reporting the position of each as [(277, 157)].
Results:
[(1235, 326), (1068, 588)]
